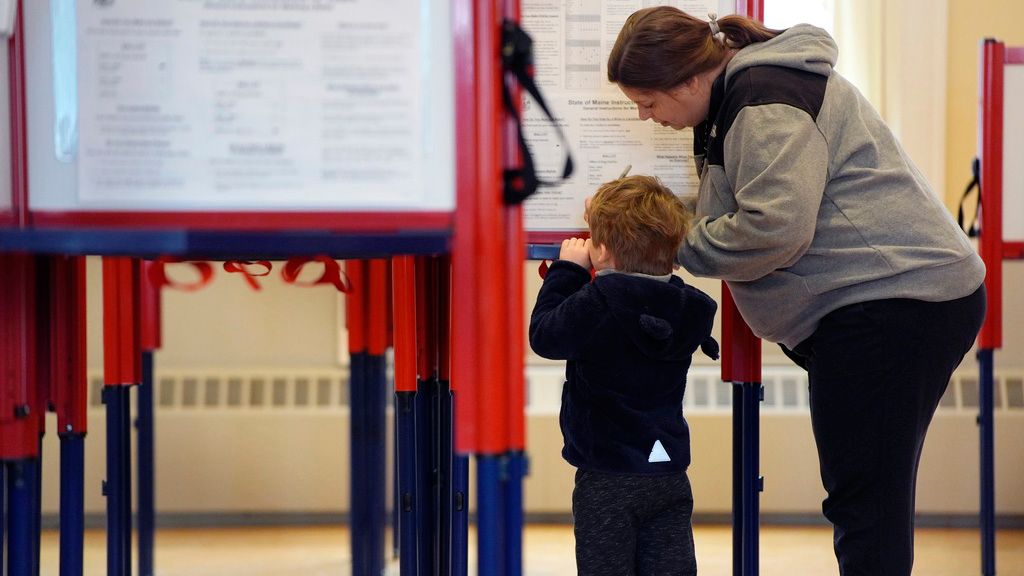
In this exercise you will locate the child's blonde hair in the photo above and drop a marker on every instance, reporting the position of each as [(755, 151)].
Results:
[(640, 221)]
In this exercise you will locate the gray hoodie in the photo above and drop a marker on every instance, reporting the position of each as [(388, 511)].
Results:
[(807, 202)]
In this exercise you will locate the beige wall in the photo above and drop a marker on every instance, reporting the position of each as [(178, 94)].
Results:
[(969, 22), (220, 460), (228, 325)]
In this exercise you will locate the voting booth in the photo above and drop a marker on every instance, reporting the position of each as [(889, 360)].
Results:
[(1001, 237), (258, 129)]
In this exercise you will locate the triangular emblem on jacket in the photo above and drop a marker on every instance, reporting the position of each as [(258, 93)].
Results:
[(658, 453)]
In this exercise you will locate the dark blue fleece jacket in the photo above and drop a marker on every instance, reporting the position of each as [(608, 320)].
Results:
[(628, 341)]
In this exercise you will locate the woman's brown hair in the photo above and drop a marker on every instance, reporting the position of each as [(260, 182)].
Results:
[(640, 221), (662, 47)]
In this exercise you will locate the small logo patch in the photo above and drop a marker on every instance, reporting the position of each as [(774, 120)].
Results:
[(658, 453)]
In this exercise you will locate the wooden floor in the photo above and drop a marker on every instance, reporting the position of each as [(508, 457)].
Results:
[(549, 552)]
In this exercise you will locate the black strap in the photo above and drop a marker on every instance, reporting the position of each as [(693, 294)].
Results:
[(972, 230), (517, 59)]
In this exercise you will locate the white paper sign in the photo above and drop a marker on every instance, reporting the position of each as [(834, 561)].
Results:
[(6, 190), (266, 104), (7, 13), (571, 41), (1013, 153)]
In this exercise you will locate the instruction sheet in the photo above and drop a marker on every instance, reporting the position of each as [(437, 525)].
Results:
[(266, 104), (571, 42)]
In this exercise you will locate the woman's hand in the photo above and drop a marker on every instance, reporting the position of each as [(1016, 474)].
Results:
[(576, 250)]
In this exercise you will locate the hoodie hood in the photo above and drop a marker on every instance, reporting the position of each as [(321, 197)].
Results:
[(662, 319), (802, 47)]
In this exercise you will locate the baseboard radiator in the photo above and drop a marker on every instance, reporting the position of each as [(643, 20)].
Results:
[(264, 442)]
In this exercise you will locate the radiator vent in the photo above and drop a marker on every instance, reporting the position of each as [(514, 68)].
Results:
[(785, 390), (241, 390)]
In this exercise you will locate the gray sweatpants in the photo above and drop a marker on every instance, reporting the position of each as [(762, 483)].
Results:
[(633, 525)]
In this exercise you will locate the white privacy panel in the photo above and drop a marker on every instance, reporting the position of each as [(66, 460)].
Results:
[(6, 193), (240, 105), (1013, 153)]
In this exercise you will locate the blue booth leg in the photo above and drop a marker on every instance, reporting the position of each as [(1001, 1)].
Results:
[(367, 404), (490, 515), (424, 477), (146, 467), (34, 471), (72, 503), (747, 483), (117, 488), (377, 456), (737, 479), (358, 467), (405, 457), (443, 465), (517, 466), (3, 511), (19, 518), (460, 515), (396, 491), (752, 395), (987, 438)]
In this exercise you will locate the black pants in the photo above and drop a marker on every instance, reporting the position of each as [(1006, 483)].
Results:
[(877, 371), (633, 525)]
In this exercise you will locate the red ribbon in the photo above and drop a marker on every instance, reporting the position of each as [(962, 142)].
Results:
[(243, 267), (332, 273), (158, 274)]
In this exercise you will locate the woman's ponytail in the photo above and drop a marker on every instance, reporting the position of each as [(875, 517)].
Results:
[(662, 47)]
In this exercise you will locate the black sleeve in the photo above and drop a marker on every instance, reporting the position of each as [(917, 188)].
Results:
[(567, 311)]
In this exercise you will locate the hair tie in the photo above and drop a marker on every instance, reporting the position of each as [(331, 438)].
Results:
[(713, 23)]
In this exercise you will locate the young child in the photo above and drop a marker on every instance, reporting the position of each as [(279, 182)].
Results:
[(628, 337)]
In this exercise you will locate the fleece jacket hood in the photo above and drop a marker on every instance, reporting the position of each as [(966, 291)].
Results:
[(628, 342)]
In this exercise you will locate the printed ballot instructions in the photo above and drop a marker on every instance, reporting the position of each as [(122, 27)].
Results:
[(265, 104), (1013, 142), (571, 42), (7, 11)]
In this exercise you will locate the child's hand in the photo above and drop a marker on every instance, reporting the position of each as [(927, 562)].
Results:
[(576, 250)]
